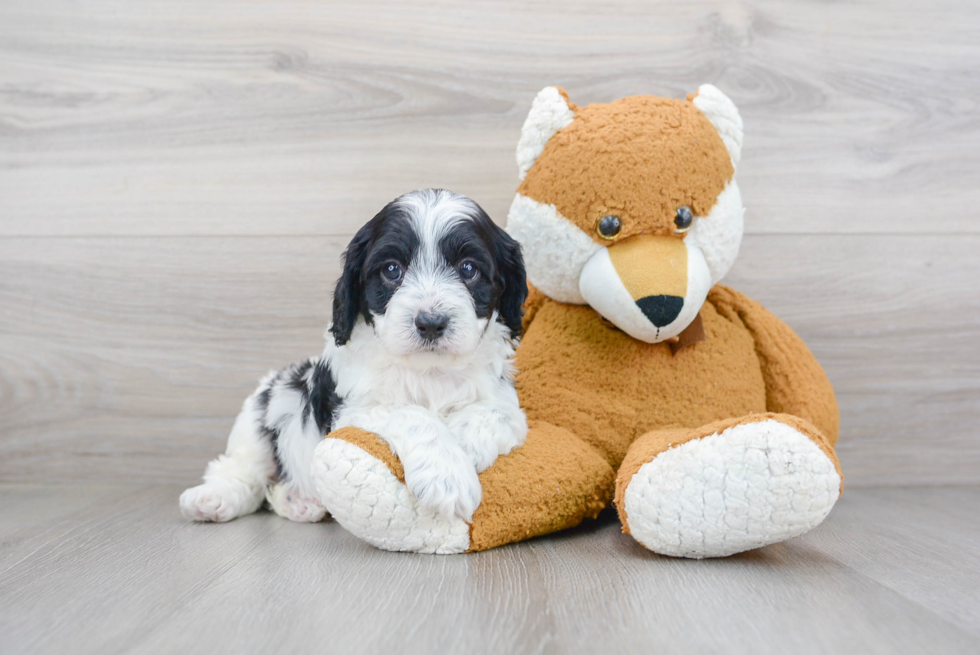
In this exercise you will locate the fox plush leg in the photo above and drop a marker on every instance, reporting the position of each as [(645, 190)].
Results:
[(550, 483), (727, 487)]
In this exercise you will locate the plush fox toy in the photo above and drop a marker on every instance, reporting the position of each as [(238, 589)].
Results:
[(646, 383)]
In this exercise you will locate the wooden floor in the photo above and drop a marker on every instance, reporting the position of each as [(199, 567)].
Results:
[(111, 569), (178, 179)]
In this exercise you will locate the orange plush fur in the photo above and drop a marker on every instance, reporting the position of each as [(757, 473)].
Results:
[(600, 403)]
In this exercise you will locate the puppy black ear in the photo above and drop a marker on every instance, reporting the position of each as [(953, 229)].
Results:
[(347, 295), (512, 279)]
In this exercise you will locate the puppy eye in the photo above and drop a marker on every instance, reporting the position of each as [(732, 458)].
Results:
[(391, 272), (683, 219), (467, 271), (608, 227)]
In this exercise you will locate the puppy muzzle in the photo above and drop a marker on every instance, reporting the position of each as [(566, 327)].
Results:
[(650, 287)]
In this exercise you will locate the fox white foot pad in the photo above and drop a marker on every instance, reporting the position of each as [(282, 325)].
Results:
[(749, 486), (365, 497)]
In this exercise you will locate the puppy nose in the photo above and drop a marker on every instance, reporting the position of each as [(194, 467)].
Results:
[(431, 326), (661, 310)]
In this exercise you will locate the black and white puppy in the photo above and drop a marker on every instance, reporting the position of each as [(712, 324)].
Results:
[(426, 317)]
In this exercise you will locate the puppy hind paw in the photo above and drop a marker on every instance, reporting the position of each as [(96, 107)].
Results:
[(290, 504), (215, 502)]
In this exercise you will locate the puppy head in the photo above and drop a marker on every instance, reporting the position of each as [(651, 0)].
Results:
[(430, 273)]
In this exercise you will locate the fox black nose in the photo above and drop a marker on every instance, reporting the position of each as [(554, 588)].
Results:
[(661, 310), (431, 326)]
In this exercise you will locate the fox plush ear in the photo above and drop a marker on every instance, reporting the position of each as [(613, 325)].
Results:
[(550, 112), (723, 114)]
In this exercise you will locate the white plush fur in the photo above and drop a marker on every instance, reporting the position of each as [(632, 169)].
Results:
[(719, 234), (749, 486), (555, 249), (549, 113), (448, 408), (373, 505), (721, 111), (603, 289), (556, 252)]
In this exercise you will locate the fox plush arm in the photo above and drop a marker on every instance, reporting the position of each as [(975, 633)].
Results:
[(795, 382)]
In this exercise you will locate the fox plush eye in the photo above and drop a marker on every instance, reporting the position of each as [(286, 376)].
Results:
[(391, 272), (468, 271), (683, 219), (608, 227)]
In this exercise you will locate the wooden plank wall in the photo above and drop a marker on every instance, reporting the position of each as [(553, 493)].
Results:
[(178, 179)]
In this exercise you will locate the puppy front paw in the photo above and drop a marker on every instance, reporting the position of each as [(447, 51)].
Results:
[(484, 435), (440, 476)]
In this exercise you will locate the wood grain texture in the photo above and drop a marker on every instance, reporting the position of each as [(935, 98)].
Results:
[(178, 179), (127, 358), (304, 116), (115, 569)]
